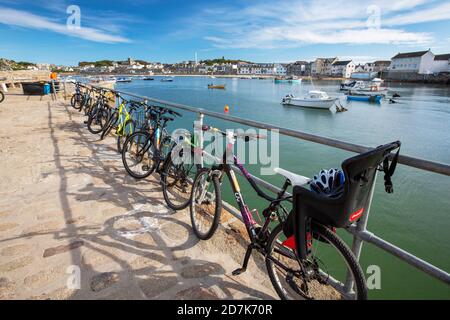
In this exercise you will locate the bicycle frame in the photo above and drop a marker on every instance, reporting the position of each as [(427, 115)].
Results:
[(226, 168)]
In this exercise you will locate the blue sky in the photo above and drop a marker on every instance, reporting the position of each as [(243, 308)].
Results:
[(259, 31)]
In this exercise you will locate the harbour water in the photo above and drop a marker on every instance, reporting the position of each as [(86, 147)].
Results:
[(415, 217)]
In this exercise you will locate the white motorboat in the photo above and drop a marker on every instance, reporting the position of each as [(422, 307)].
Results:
[(124, 79), (373, 86), (313, 99)]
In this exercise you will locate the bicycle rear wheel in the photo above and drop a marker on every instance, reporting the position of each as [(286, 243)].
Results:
[(177, 178), (75, 101), (205, 205), (326, 268), (137, 155)]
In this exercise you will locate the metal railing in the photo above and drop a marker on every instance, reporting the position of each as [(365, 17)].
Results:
[(358, 230)]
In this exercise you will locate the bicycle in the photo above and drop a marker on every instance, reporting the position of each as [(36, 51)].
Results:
[(121, 119), (143, 151), (2, 97), (153, 150), (77, 97), (99, 114), (303, 247)]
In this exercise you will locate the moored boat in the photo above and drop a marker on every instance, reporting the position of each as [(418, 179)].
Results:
[(373, 87), (148, 78), (124, 79), (216, 86), (364, 96), (167, 79), (313, 99), (291, 79)]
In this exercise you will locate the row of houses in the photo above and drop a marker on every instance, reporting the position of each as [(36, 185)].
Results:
[(415, 63), (420, 62), (127, 66)]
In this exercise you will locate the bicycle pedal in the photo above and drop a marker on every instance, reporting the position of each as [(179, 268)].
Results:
[(238, 271)]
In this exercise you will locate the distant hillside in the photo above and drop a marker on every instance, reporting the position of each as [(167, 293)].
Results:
[(211, 62), (100, 63), (11, 65)]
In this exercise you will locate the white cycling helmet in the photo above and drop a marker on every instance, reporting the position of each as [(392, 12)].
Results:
[(328, 182)]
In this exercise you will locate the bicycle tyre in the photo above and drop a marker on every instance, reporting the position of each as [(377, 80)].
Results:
[(128, 141), (100, 114), (327, 235), (217, 205), (110, 124), (164, 175), (2, 97), (74, 100)]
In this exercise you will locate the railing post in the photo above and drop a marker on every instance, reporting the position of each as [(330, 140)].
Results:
[(361, 226), (198, 154)]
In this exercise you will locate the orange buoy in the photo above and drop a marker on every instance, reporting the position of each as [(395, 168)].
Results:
[(226, 109)]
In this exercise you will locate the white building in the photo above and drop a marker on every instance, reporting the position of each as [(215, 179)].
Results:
[(420, 62), (279, 69), (441, 63), (343, 68), (245, 69)]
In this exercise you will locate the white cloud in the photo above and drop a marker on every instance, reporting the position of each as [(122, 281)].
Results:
[(28, 20), (438, 13), (297, 23)]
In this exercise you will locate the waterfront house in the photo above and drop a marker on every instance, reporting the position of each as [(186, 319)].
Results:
[(298, 68), (441, 63), (262, 69), (420, 62), (359, 68), (245, 69), (279, 69), (343, 69), (381, 65), (322, 66)]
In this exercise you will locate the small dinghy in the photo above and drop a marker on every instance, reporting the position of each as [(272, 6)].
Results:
[(216, 86)]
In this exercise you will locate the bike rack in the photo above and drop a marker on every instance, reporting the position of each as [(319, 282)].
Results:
[(359, 229)]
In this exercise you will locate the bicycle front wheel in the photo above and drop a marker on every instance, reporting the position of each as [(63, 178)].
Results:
[(137, 155), (205, 205), (109, 125), (322, 275), (98, 120), (75, 101)]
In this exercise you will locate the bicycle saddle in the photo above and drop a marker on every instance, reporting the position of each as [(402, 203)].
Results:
[(295, 179)]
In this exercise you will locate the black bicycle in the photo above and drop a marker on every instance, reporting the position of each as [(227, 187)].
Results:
[(154, 150), (99, 114), (77, 97), (2, 97)]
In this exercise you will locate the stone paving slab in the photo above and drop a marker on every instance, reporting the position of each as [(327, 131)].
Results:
[(67, 206)]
